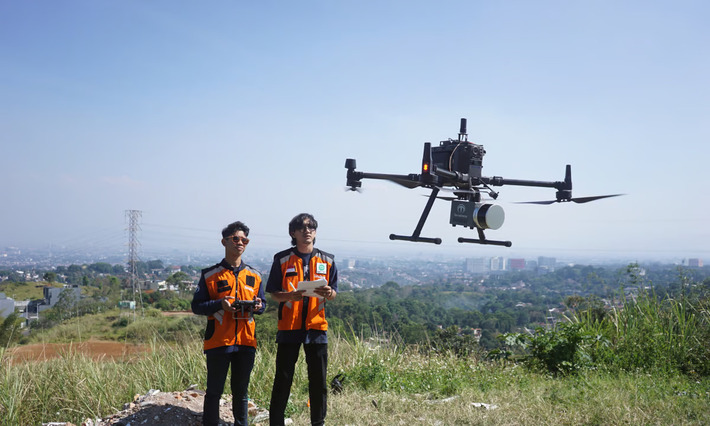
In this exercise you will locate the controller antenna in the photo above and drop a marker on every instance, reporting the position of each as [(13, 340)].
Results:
[(463, 136)]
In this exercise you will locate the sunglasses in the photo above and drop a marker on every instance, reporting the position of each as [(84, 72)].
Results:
[(244, 240), (308, 227)]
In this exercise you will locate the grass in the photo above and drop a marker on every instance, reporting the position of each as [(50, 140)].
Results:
[(120, 325), (646, 364), (23, 291), (385, 384)]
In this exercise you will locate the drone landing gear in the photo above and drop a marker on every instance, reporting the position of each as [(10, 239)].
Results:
[(482, 240), (418, 230)]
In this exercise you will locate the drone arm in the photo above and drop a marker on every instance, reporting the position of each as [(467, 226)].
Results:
[(565, 185), (409, 181), (499, 181), (354, 177)]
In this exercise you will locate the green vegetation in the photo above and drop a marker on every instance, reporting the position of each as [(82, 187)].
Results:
[(22, 290), (385, 383), (635, 355), (122, 326)]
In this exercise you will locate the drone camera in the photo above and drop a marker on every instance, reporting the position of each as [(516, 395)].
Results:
[(459, 156), (476, 215)]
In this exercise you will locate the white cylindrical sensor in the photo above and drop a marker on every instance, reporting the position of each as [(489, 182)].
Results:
[(489, 216)]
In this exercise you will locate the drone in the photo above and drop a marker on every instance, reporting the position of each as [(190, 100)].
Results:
[(455, 167)]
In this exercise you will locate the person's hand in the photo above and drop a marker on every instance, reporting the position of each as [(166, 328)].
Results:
[(227, 304), (325, 291), (296, 295), (258, 304)]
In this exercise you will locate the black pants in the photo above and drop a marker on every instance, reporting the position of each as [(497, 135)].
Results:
[(317, 362), (242, 363)]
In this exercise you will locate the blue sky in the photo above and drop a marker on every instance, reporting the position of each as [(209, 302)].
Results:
[(198, 114)]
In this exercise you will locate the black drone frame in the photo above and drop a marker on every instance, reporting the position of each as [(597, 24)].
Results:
[(460, 173)]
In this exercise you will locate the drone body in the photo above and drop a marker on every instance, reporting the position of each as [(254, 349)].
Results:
[(456, 166)]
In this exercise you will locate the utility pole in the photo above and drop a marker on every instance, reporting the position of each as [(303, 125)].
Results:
[(133, 228)]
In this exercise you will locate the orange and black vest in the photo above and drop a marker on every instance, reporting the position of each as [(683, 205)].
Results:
[(294, 315), (226, 328)]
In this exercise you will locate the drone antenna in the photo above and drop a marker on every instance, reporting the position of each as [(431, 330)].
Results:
[(463, 136)]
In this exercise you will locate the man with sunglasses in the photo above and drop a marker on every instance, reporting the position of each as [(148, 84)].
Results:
[(229, 293), (301, 318)]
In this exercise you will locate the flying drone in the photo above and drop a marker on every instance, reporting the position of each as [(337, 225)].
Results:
[(455, 167)]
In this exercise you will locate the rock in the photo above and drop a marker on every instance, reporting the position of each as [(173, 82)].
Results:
[(442, 401), (264, 415), (484, 405)]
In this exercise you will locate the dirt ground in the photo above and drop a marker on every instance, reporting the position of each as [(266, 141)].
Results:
[(184, 408)]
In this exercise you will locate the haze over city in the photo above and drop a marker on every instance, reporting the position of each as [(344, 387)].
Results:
[(198, 115)]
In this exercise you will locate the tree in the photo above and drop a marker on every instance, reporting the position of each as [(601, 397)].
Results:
[(101, 267), (67, 300), (179, 279), (50, 276), (155, 264)]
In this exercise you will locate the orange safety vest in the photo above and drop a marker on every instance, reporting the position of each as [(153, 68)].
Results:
[(223, 329), (291, 313)]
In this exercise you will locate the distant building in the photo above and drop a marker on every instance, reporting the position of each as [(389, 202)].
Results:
[(7, 306), (546, 263), (517, 264), (498, 264), (52, 294), (477, 334), (695, 263), (127, 304), (478, 265)]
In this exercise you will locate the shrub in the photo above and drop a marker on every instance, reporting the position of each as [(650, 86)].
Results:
[(561, 350)]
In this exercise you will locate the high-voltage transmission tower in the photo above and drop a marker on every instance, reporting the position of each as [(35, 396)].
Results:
[(133, 227)]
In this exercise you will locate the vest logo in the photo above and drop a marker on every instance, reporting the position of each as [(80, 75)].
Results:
[(321, 268)]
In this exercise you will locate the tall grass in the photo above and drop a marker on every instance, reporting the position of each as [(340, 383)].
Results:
[(654, 334), (385, 384), (649, 334), (74, 387), (648, 363)]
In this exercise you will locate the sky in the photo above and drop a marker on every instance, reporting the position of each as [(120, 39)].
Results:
[(199, 114)]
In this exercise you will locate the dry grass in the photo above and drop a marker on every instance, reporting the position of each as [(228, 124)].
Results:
[(386, 384)]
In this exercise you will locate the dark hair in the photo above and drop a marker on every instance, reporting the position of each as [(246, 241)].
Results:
[(297, 223), (234, 227)]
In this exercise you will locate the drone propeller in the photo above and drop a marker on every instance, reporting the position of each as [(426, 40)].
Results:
[(578, 200)]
